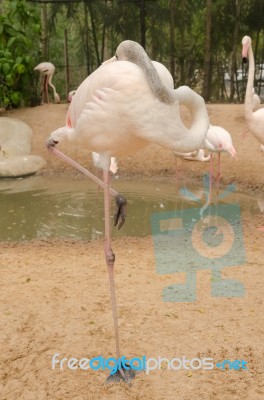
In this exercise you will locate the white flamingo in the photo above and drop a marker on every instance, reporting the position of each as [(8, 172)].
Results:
[(254, 119), (47, 70), (218, 140), (119, 109)]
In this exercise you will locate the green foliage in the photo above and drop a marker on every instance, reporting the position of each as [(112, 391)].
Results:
[(19, 29), (96, 27)]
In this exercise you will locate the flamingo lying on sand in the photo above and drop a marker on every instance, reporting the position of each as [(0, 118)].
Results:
[(254, 119), (119, 109), (47, 70)]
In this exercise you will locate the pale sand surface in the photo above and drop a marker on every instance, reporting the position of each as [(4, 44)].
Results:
[(54, 295)]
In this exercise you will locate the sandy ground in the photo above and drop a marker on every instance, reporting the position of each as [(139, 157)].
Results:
[(54, 295)]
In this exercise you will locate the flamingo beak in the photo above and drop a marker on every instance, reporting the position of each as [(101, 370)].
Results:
[(232, 151), (245, 52)]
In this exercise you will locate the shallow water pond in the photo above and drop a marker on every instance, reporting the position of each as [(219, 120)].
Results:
[(40, 207)]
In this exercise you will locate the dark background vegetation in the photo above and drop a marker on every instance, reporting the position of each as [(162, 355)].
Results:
[(199, 41)]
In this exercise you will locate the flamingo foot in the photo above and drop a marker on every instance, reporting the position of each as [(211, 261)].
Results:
[(122, 375), (120, 213)]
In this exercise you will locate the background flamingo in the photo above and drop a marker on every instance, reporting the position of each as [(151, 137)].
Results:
[(254, 119), (119, 109), (47, 70), (218, 140)]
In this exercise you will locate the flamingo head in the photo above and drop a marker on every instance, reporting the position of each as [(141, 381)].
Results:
[(229, 148), (70, 95), (246, 43), (128, 50), (225, 145)]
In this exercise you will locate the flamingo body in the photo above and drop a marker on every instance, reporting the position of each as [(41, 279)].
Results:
[(115, 112)]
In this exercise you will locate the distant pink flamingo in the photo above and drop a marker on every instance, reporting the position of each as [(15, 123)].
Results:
[(119, 109), (254, 119), (47, 70)]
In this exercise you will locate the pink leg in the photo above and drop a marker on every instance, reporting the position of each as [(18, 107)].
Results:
[(109, 256), (47, 89), (179, 173), (42, 89), (218, 173), (98, 181), (211, 177), (120, 214), (110, 262)]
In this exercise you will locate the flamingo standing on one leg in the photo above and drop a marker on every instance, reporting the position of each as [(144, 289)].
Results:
[(254, 119), (119, 109), (47, 70)]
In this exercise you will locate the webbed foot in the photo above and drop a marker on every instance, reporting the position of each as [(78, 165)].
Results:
[(120, 213), (126, 375)]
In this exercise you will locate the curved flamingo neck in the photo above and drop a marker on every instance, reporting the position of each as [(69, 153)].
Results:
[(133, 52), (197, 132), (55, 94), (250, 85), (190, 138)]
